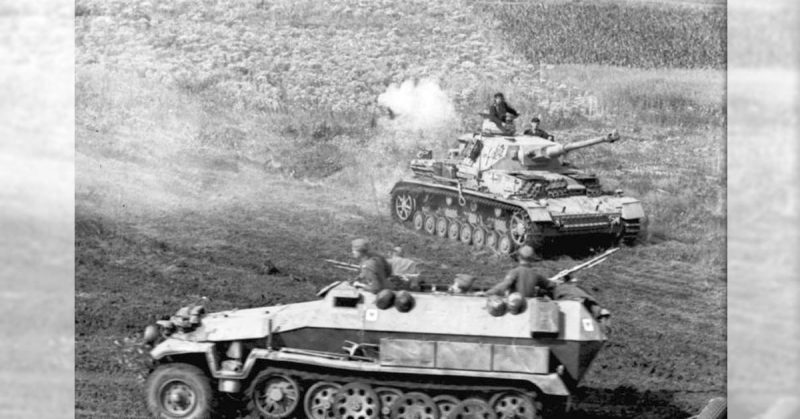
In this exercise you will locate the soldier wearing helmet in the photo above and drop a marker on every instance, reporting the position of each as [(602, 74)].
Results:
[(524, 279), (375, 270)]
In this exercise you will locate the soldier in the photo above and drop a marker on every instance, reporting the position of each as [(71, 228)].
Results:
[(375, 270), (502, 115), (536, 131), (405, 272), (524, 279), (569, 290)]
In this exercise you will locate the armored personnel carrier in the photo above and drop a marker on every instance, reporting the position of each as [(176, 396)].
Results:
[(504, 191), (355, 355)]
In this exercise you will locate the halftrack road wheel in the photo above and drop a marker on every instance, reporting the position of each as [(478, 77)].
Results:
[(318, 403), (430, 224), (514, 405), (403, 204), (273, 396), (388, 396), (179, 391), (356, 401), (415, 405), (446, 405), (473, 408), (453, 230), (418, 220)]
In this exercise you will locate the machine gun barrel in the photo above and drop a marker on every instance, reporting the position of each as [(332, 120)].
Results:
[(344, 265), (559, 149), (559, 277)]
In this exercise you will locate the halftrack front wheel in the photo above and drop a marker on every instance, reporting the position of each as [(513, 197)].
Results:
[(514, 405), (318, 403), (273, 396), (403, 205), (446, 405), (473, 408), (415, 405), (356, 401), (179, 391)]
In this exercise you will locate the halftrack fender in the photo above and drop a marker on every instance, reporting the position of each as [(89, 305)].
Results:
[(180, 347), (632, 209)]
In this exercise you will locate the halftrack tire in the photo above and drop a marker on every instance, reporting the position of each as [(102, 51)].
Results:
[(388, 396), (415, 405), (446, 405), (318, 402), (430, 224), (505, 245), (514, 405), (479, 237), (441, 227), (403, 206), (273, 396), (418, 220), (356, 401), (179, 391), (453, 230), (466, 234), (473, 408)]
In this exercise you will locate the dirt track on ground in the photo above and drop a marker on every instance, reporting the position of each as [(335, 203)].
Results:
[(144, 259)]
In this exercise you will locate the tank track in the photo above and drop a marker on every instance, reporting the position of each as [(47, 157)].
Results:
[(631, 231), (476, 212)]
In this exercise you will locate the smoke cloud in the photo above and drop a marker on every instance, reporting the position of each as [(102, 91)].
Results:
[(418, 106)]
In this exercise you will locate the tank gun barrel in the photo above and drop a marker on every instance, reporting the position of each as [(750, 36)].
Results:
[(559, 277), (561, 149)]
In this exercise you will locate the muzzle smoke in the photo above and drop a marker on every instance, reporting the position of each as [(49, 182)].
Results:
[(418, 106)]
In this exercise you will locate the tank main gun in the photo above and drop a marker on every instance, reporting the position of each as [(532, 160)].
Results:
[(557, 150)]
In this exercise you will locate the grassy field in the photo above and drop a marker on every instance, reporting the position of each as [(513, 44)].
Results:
[(214, 136)]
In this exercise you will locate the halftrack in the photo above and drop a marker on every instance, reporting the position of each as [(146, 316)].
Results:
[(504, 191), (347, 355)]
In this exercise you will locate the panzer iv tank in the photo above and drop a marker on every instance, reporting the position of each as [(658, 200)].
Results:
[(355, 355), (504, 191)]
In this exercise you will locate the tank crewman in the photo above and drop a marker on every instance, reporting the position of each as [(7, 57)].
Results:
[(524, 279), (405, 272), (569, 290), (536, 131), (375, 270), (502, 115)]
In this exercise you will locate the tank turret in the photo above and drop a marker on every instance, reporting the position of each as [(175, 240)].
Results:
[(502, 191), (344, 355)]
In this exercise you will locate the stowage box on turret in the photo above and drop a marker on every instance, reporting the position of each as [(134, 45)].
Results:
[(502, 191), (429, 355)]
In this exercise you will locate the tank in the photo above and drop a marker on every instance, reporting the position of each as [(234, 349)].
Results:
[(503, 191), (352, 354)]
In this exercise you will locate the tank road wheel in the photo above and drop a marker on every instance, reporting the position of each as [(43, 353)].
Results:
[(273, 396), (479, 237), (419, 220), (356, 401), (179, 391), (318, 403), (441, 227), (505, 245), (387, 396), (403, 204), (514, 405), (491, 240), (453, 230), (466, 234), (430, 224), (446, 405), (518, 227), (473, 408), (415, 405)]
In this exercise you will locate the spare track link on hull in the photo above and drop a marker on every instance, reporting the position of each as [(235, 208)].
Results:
[(488, 204)]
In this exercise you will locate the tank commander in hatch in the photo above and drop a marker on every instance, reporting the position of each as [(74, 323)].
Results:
[(524, 279), (375, 270), (536, 131), (500, 119)]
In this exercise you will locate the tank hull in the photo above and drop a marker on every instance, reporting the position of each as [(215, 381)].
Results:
[(504, 224)]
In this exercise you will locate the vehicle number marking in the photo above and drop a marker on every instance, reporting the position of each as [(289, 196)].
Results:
[(588, 325), (371, 315)]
